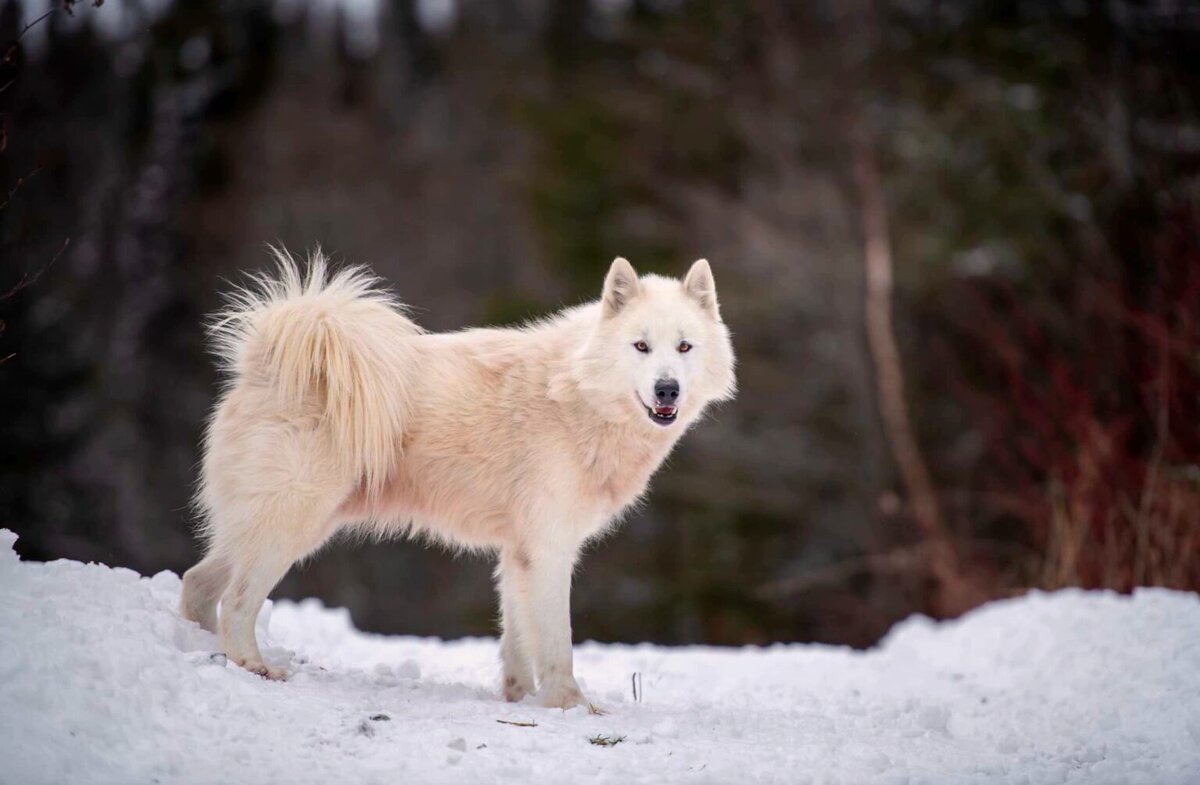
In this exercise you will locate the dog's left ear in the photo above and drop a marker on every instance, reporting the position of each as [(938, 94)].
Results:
[(620, 286), (699, 284)]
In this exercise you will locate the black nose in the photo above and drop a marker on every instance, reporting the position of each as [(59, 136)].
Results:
[(666, 391)]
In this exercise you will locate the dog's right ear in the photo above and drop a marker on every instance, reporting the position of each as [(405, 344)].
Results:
[(620, 287)]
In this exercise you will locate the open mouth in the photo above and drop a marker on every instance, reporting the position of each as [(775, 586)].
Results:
[(662, 415)]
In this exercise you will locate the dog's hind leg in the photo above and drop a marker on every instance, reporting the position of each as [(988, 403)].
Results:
[(282, 533), (202, 587)]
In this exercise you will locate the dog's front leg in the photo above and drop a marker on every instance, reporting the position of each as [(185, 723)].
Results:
[(543, 602), (516, 667)]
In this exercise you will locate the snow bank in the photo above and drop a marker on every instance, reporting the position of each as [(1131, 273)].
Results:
[(101, 681)]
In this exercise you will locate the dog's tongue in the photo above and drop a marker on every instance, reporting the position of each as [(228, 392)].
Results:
[(664, 410)]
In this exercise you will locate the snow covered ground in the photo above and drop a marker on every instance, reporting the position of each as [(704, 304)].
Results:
[(101, 681)]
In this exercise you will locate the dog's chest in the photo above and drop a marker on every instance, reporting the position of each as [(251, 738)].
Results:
[(618, 470)]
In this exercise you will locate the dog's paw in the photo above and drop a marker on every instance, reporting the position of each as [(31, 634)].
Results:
[(516, 688), (260, 668), (270, 672), (562, 696)]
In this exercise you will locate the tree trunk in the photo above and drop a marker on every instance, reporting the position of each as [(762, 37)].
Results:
[(954, 594)]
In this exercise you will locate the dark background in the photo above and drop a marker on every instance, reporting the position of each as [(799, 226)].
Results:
[(1030, 166)]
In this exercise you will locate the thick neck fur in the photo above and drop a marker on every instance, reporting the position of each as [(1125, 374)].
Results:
[(618, 449), (620, 457)]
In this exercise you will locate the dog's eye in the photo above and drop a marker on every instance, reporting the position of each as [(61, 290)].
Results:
[(642, 346), (684, 347)]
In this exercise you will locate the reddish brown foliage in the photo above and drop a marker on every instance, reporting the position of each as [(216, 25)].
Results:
[(1088, 400)]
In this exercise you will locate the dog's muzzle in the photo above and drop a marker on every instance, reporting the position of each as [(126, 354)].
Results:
[(666, 395)]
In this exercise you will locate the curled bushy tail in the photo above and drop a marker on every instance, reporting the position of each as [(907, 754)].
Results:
[(334, 339)]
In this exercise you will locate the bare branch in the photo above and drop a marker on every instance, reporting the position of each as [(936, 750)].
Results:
[(19, 183), (28, 280), (10, 52)]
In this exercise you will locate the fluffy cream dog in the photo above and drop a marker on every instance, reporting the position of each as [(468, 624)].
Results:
[(341, 412)]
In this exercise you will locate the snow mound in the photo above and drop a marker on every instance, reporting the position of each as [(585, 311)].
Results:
[(102, 681)]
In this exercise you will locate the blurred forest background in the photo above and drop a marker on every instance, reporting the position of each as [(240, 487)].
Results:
[(1014, 407)]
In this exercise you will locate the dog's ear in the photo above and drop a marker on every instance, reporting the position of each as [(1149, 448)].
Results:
[(699, 285), (620, 287)]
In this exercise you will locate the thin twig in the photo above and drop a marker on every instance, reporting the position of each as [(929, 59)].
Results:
[(18, 184), (8, 54), (27, 280), (11, 52)]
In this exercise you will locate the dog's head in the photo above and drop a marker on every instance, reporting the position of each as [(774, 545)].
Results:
[(659, 350)]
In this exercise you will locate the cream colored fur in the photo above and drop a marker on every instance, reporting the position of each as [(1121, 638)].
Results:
[(341, 413)]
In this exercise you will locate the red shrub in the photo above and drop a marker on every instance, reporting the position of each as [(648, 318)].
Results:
[(1087, 396)]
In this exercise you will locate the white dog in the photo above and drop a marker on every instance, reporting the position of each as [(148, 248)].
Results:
[(341, 412)]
